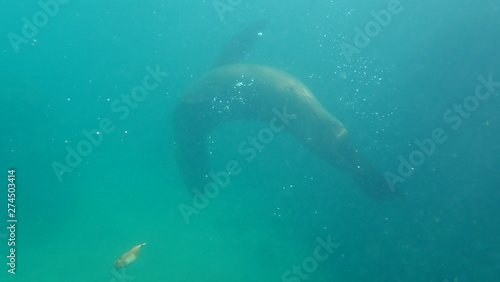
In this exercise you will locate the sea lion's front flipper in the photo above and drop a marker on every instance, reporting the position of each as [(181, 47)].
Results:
[(239, 45), (191, 124), (373, 182)]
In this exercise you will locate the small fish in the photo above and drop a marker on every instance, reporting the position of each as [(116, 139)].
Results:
[(129, 257)]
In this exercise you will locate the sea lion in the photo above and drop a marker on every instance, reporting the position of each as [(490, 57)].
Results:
[(233, 91), (129, 257)]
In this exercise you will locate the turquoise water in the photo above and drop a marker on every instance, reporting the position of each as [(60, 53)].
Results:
[(63, 77)]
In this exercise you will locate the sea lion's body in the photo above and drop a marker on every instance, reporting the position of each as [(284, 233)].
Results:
[(232, 91), (249, 91)]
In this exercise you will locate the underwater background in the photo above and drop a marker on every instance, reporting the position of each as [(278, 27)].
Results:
[(65, 64)]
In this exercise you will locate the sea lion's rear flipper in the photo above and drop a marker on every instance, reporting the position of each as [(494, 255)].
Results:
[(239, 45)]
